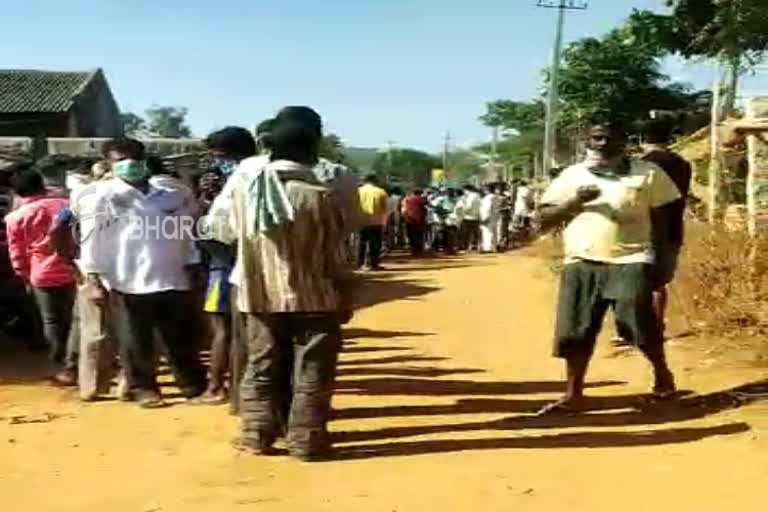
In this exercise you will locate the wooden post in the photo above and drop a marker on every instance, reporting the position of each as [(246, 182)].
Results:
[(714, 158), (757, 176)]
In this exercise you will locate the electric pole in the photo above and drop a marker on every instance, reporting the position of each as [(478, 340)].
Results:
[(550, 132), (446, 148)]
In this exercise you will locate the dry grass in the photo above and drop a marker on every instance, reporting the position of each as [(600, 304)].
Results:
[(723, 282)]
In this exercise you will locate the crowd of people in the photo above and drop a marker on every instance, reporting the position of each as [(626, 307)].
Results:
[(445, 220), (256, 257)]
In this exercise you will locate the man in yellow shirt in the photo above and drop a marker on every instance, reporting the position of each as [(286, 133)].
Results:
[(373, 204)]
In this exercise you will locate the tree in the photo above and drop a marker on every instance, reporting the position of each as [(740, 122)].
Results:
[(731, 31), (132, 123), (332, 148), (406, 167), (614, 76), (520, 116), (168, 122)]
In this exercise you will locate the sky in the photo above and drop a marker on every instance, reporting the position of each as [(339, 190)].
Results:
[(404, 72)]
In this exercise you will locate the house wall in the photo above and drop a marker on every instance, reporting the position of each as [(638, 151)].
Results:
[(33, 124), (95, 111)]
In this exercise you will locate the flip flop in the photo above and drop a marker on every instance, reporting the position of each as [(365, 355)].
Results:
[(561, 406)]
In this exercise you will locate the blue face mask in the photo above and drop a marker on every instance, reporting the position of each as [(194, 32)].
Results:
[(226, 165)]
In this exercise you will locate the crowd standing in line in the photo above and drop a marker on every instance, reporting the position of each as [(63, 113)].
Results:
[(264, 245)]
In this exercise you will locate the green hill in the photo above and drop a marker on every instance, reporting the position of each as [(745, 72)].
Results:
[(361, 158)]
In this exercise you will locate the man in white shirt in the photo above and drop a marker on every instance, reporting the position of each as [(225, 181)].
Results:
[(145, 250), (610, 204), (490, 211), (470, 225)]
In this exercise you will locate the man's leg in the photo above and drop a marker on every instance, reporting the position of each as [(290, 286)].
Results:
[(660, 298), (376, 237), (55, 305), (133, 322), (174, 309), (261, 393), (218, 366), (317, 342), (580, 313), (96, 359), (362, 248), (635, 314)]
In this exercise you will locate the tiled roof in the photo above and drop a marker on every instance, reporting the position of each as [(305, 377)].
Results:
[(40, 91)]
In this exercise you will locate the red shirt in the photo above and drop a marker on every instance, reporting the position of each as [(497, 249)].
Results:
[(414, 210), (32, 256)]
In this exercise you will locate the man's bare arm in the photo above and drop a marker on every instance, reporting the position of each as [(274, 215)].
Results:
[(552, 216)]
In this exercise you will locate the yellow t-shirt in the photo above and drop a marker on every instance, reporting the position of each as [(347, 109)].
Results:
[(615, 227), (373, 204)]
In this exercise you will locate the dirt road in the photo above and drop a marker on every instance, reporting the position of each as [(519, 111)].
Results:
[(437, 385)]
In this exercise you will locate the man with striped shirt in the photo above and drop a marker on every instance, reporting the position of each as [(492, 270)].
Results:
[(292, 289)]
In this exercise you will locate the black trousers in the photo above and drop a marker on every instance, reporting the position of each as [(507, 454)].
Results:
[(470, 235), (55, 305), (416, 238), (369, 251), (288, 382), (170, 313)]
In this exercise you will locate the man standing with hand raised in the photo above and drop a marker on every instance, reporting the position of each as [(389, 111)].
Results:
[(610, 206)]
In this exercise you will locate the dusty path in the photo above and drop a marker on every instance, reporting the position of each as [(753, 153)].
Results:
[(437, 385)]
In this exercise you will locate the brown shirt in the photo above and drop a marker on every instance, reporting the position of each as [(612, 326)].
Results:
[(294, 268)]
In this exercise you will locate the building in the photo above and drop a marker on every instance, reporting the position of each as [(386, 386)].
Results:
[(57, 104)]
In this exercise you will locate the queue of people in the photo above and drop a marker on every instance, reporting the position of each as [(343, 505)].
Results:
[(135, 265)]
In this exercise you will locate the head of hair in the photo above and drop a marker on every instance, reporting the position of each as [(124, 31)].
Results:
[(27, 182), (296, 135), (131, 148), (658, 131), (232, 141), (157, 167), (418, 192), (264, 133), (371, 178), (616, 127)]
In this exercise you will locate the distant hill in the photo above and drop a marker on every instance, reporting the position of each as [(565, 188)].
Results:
[(361, 158)]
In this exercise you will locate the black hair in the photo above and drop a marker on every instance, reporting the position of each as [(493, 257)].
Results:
[(657, 131), (233, 141), (132, 148), (371, 178), (157, 167), (27, 182), (418, 192), (296, 135), (615, 126), (264, 133)]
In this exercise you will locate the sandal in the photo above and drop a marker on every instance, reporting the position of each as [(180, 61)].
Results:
[(562, 406)]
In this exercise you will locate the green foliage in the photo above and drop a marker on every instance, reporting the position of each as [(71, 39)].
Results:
[(614, 77), (719, 28), (520, 116), (132, 123), (406, 167), (332, 148), (361, 158), (170, 122)]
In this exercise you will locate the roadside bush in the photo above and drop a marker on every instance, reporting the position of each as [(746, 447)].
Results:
[(722, 284)]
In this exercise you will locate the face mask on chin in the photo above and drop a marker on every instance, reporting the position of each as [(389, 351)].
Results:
[(131, 171), (226, 165)]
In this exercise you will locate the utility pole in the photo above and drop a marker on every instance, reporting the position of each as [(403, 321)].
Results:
[(446, 148), (550, 132), (388, 148)]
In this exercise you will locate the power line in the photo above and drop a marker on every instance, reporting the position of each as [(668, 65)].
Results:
[(550, 133)]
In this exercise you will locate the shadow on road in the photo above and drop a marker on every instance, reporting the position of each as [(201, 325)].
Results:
[(566, 440), (613, 411)]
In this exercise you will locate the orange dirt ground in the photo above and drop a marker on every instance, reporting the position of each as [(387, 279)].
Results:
[(442, 371)]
